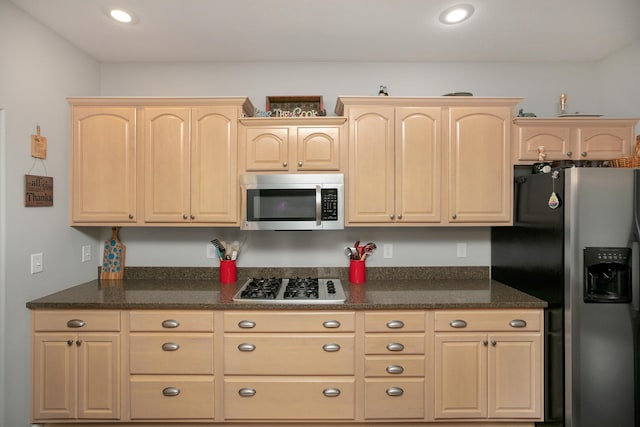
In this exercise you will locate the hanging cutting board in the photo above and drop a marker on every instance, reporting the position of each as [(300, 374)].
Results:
[(113, 260), (38, 145)]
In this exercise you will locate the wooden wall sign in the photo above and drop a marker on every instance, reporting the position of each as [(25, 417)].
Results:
[(38, 191)]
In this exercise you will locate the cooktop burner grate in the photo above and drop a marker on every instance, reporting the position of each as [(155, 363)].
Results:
[(307, 290)]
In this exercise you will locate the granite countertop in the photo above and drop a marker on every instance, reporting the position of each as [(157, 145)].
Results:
[(413, 288)]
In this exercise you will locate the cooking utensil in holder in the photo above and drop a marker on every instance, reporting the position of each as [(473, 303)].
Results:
[(357, 271), (629, 162)]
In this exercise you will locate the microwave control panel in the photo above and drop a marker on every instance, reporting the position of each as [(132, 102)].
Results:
[(329, 204)]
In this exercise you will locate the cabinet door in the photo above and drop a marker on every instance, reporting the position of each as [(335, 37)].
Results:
[(480, 168), (603, 142), (460, 376), (371, 180), (515, 376), (166, 164), (266, 149), (318, 149), (418, 157), (554, 140), (103, 166), (98, 375), (54, 376), (214, 165)]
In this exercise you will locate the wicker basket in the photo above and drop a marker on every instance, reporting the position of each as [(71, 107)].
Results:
[(629, 162)]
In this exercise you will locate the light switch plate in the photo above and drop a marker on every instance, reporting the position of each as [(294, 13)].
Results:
[(37, 265), (86, 253)]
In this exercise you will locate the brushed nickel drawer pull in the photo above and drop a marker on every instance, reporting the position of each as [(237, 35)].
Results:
[(395, 324), (331, 347), (170, 324), (518, 323), (247, 392), (246, 324), (75, 323), (395, 346), (458, 324), (171, 391), (395, 391), (331, 392), (394, 369), (246, 347), (331, 324), (170, 346)]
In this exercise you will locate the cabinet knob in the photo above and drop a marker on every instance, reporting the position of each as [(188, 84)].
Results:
[(78, 343), (395, 324), (454, 216), (170, 346), (485, 343), (494, 343), (392, 216), (331, 324), (285, 164), (395, 346), (583, 154), (246, 324), (193, 217), (331, 392), (458, 324), (399, 216), (394, 369), (299, 163), (330, 348), (246, 347), (395, 391), (569, 153), (130, 216), (170, 324), (69, 342), (184, 216), (247, 392), (171, 391), (75, 323)]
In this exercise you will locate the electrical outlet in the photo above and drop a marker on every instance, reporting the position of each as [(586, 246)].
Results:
[(387, 250), (86, 253), (37, 265), (462, 250), (211, 251)]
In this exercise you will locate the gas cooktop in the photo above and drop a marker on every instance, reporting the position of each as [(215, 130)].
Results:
[(296, 290)]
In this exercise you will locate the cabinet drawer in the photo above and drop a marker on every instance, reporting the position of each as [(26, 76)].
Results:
[(186, 353), (488, 320), (289, 354), (162, 321), (172, 397), (394, 398), (297, 321), (74, 320), (389, 321), (398, 366), (289, 398), (394, 343)]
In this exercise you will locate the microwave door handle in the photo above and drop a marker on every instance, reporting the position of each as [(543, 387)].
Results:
[(318, 205)]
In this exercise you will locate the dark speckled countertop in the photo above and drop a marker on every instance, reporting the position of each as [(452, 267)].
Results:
[(199, 288)]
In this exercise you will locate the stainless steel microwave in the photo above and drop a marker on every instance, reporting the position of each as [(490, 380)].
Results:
[(292, 201)]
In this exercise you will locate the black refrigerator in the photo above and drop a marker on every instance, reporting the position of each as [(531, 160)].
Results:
[(574, 243)]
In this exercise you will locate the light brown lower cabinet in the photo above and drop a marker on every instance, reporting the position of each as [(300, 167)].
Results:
[(257, 367)]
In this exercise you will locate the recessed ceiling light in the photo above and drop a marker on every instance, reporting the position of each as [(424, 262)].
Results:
[(121, 16), (456, 14)]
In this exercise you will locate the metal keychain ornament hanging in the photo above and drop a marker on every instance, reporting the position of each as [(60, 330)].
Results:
[(554, 202)]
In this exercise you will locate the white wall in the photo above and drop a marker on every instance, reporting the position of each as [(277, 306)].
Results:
[(39, 70)]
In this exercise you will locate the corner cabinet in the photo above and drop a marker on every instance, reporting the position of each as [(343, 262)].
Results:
[(572, 138), (429, 161), (292, 145), (155, 161)]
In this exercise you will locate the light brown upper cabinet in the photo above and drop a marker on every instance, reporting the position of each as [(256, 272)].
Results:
[(103, 164), (576, 138), (291, 145), (428, 161), (155, 161)]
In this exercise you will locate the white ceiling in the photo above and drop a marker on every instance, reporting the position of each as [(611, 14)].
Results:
[(342, 30)]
